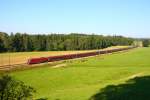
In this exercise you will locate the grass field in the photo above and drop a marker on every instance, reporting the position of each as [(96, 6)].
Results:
[(22, 57), (81, 79)]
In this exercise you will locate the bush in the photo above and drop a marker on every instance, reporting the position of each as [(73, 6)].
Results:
[(11, 89)]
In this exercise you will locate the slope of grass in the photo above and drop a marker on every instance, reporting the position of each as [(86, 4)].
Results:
[(81, 79)]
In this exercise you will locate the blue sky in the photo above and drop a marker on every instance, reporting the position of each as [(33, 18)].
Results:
[(121, 17)]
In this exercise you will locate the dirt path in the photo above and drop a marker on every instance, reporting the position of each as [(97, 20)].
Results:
[(59, 65)]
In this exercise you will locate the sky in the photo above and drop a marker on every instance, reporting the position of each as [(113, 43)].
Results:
[(129, 18)]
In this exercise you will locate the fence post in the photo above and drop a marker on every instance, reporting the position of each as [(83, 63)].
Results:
[(9, 59), (99, 52), (2, 59)]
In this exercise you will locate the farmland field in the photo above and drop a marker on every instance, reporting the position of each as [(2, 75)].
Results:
[(22, 57), (81, 79)]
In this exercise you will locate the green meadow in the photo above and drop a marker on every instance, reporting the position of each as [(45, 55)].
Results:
[(94, 77)]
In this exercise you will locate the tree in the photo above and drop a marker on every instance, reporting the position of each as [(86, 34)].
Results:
[(146, 43), (25, 42), (11, 89), (17, 42), (4, 42), (1, 45)]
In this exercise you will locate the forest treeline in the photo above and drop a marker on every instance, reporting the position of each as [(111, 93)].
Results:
[(55, 42)]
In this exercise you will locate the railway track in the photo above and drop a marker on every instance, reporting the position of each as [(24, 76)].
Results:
[(59, 58), (73, 56)]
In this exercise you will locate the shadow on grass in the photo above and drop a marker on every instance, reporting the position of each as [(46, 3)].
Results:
[(134, 89), (42, 99)]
